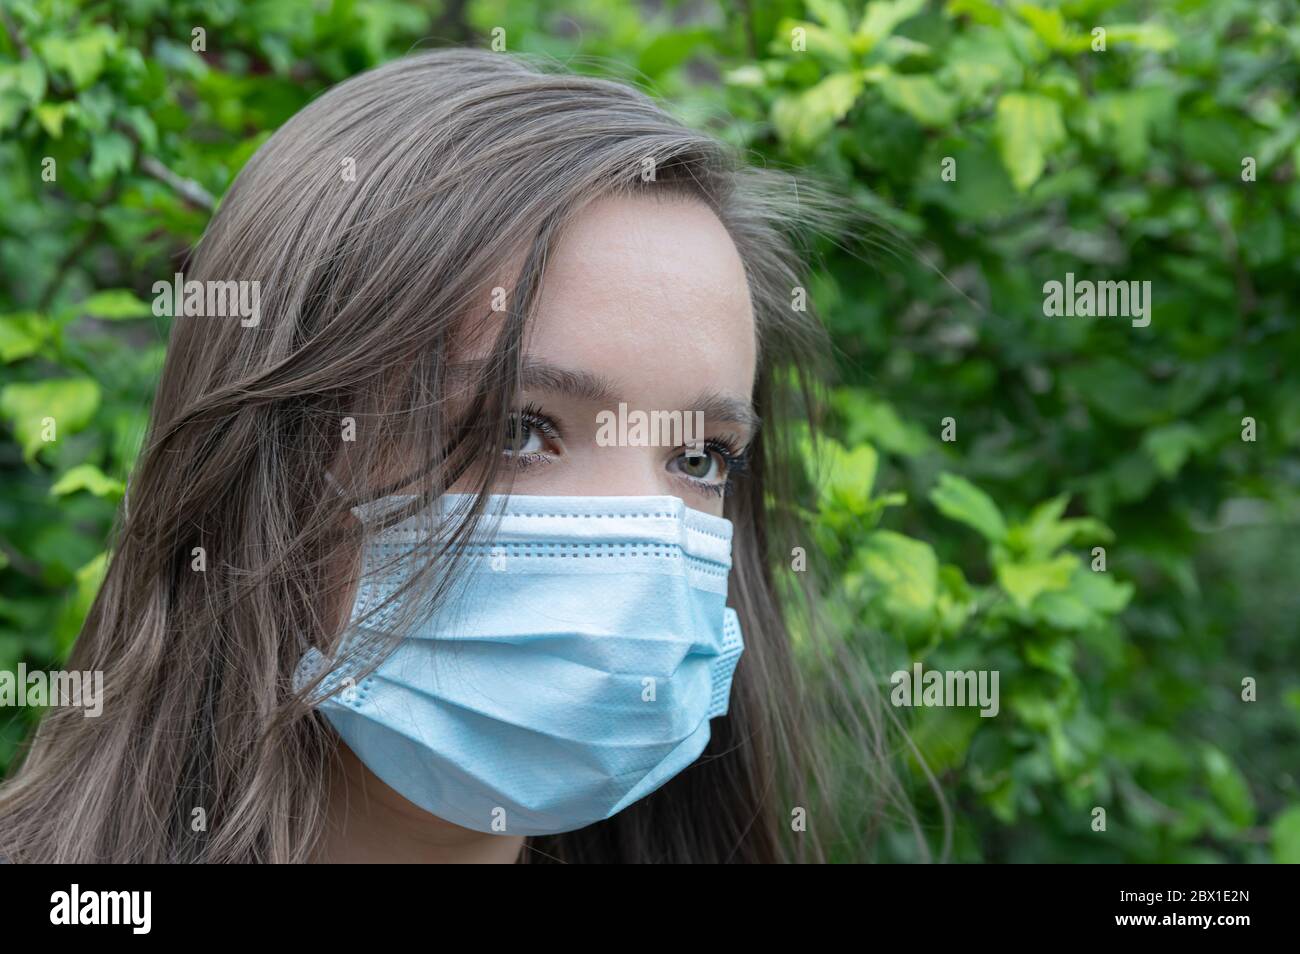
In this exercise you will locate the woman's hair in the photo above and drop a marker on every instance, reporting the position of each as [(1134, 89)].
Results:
[(377, 223)]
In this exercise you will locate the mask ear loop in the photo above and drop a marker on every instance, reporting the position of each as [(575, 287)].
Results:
[(314, 659)]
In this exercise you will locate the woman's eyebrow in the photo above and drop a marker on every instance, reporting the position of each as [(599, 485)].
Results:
[(540, 376), (583, 385), (717, 406), (586, 386), (598, 389)]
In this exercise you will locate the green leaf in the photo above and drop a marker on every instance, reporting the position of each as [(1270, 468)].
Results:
[(943, 736), (848, 475), (27, 78), (21, 335), (1064, 610), (144, 126), (956, 600), (110, 154), (1024, 581), (831, 14), (670, 50), (89, 578), (877, 422), (1146, 36), (982, 191), (958, 499), (1118, 390), (90, 478), (1088, 602), (979, 60), (881, 18), (804, 120), (1050, 27), (1100, 592), (1124, 122), (51, 116), (1044, 532), (1229, 788), (1054, 655), (1088, 530), (12, 108), (907, 573), (1029, 129), (66, 405), (921, 98), (1286, 837), (81, 58), (826, 45), (1170, 446), (116, 304)]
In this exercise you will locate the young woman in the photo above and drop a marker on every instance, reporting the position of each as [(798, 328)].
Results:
[(389, 585)]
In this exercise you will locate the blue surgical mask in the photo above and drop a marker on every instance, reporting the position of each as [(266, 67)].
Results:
[(572, 671)]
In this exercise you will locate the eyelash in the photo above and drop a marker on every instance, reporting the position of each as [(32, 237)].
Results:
[(734, 457), (532, 416)]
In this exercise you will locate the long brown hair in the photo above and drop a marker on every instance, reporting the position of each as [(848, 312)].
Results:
[(374, 221)]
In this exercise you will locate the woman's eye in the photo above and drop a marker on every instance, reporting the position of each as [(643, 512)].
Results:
[(531, 436), (524, 438), (699, 466)]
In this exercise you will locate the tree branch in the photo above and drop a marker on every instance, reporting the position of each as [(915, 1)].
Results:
[(16, 38), (187, 189)]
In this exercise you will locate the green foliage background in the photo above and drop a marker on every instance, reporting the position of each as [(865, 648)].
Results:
[(1120, 689)]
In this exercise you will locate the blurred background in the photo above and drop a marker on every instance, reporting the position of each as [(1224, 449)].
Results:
[(999, 146)]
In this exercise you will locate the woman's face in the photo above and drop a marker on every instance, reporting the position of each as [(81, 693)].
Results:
[(644, 303)]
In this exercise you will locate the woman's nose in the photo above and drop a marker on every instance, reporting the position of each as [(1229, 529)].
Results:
[(625, 472)]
